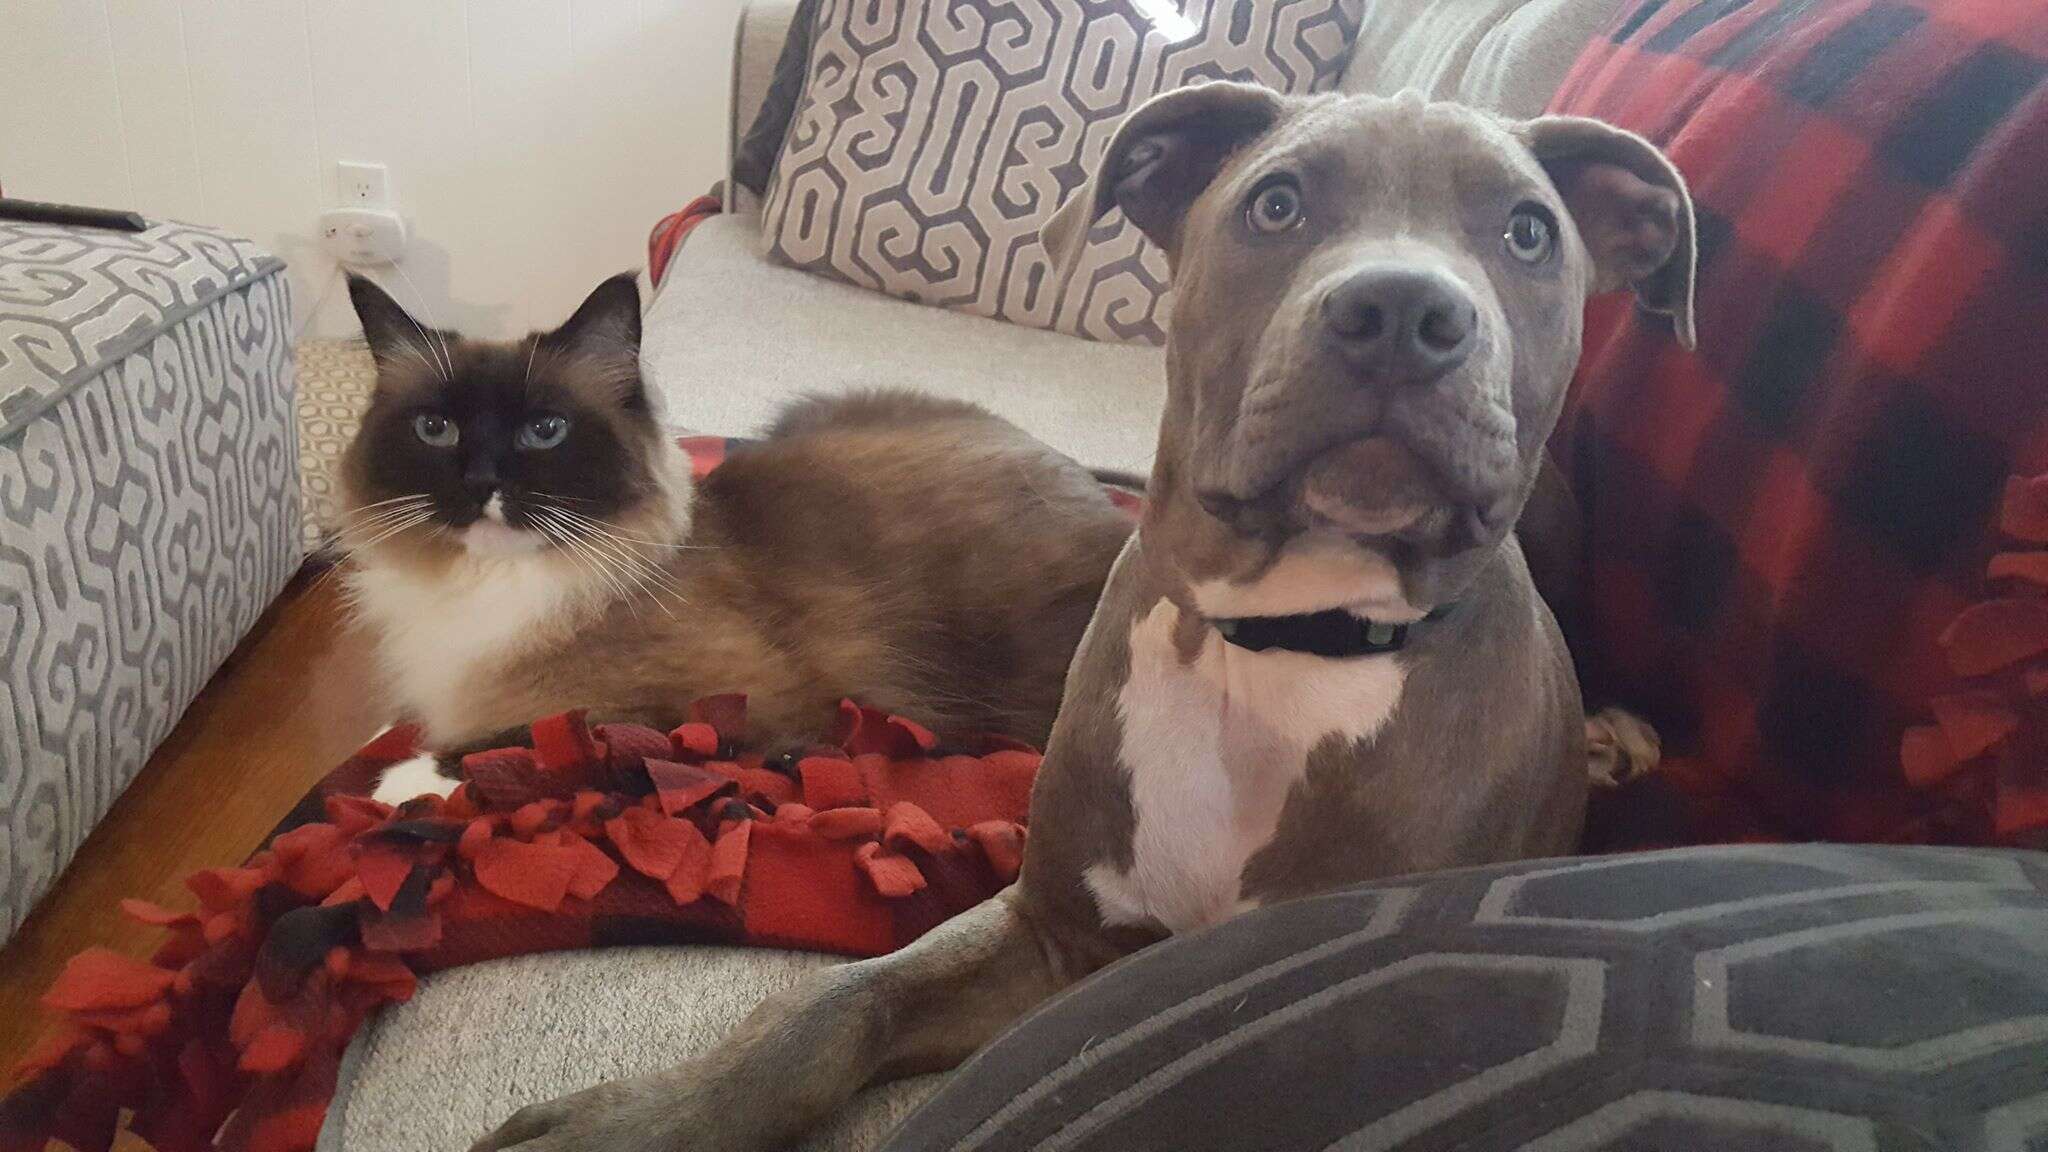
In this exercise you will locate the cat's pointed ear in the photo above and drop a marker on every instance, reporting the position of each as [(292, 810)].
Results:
[(393, 335), (604, 338), (607, 322)]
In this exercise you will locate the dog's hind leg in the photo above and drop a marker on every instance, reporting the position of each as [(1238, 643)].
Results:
[(805, 1052)]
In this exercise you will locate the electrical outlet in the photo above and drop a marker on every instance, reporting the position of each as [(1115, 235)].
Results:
[(359, 185), (363, 237)]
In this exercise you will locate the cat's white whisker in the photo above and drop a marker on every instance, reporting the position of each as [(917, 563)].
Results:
[(374, 523), (649, 579), (621, 546), (421, 356), (371, 525), (575, 556), (607, 528), (633, 563), (392, 500), (414, 521), (617, 575), (446, 358), (363, 515)]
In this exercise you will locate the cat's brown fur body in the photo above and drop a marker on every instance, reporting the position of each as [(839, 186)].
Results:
[(921, 556), (939, 564)]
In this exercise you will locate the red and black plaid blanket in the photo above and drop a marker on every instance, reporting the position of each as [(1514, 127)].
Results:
[(1815, 547)]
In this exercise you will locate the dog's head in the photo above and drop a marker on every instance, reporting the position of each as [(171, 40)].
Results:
[(1379, 304)]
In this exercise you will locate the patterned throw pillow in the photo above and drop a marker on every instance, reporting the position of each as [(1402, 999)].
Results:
[(935, 137)]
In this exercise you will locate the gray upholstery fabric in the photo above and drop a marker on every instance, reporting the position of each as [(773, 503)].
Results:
[(1504, 55), (148, 510), (731, 338), (759, 41), (934, 140), (476, 1044), (73, 300), (1520, 62), (753, 157), (1710, 1000)]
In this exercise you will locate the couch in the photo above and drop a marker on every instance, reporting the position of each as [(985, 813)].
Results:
[(729, 338), (148, 507), (1762, 996)]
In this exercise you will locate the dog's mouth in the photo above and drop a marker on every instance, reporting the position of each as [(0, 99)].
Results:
[(1375, 489), (1367, 488)]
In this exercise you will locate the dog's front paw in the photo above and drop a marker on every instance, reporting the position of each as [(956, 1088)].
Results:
[(1620, 746), (648, 1114)]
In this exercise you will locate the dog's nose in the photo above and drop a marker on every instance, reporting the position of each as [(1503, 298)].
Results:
[(1410, 323)]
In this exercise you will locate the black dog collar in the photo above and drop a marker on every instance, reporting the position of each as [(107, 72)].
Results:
[(1335, 634)]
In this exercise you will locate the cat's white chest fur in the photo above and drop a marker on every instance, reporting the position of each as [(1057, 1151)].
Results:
[(436, 632), (1213, 746)]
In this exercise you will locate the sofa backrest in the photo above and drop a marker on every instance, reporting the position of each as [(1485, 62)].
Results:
[(1504, 55)]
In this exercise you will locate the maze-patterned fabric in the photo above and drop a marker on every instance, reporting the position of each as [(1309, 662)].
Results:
[(1815, 546), (935, 138), (148, 515), (335, 380), (73, 300), (1712, 1000)]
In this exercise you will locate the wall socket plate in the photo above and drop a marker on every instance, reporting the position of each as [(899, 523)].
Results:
[(360, 185), (362, 237)]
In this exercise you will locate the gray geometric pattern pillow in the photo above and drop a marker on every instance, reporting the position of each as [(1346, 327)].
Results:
[(935, 138), (1753, 999)]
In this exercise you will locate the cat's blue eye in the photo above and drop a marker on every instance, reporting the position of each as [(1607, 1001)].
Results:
[(544, 431), (435, 429)]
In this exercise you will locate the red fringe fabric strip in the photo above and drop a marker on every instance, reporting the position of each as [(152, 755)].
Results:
[(1996, 727), (230, 1036)]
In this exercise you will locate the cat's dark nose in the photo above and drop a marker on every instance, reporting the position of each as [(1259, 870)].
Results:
[(480, 478)]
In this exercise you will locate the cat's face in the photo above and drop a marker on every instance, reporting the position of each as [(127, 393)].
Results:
[(507, 448)]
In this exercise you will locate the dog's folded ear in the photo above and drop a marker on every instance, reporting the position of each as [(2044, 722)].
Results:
[(1161, 158), (1631, 207)]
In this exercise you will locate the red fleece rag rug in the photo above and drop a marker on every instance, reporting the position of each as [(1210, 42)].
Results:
[(230, 1036)]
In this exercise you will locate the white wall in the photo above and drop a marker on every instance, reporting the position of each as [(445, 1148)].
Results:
[(532, 143)]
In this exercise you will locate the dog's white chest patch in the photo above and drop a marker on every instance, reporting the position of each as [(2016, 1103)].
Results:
[(1212, 747), (435, 633)]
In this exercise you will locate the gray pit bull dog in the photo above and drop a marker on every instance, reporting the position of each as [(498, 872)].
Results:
[(1321, 659)]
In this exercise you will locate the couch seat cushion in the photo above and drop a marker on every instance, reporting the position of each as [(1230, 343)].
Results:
[(478, 1043), (731, 338)]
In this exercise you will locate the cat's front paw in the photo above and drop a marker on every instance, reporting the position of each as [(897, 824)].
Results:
[(646, 1114), (422, 775)]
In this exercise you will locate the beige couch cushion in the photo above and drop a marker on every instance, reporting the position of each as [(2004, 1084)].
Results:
[(731, 338)]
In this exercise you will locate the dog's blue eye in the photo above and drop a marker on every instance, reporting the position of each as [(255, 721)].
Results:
[(544, 432), (1275, 206), (435, 429), (1531, 234)]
